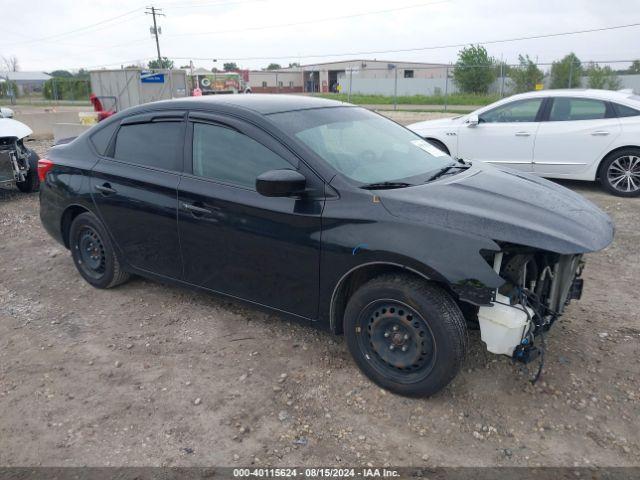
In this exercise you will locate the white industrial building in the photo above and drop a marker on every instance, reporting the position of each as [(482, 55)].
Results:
[(333, 76)]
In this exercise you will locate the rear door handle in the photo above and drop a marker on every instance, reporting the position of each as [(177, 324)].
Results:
[(523, 134), (600, 133), (196, 210), (105, 189)]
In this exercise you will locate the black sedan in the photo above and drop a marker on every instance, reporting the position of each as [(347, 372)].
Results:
[(325, 212)]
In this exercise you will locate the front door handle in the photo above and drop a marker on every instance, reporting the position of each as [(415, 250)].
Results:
[(196, 210), (106, 189), (600, 133), (523, 134)]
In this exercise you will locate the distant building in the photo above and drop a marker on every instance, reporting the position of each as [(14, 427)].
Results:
[(276, 81), (26, 82), (331, 76)]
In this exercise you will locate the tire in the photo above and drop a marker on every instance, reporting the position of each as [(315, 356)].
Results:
[(31, 182), (620, 173), (93, 253), (439, 145), (419, 320)]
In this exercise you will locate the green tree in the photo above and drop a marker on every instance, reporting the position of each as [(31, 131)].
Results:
[(635, 67), (274, 66), (164, 63), (475, 70), (566, 73), (293, 65), (62, 88), (230, 67), (602, 77), (526, 75), (61, 74)]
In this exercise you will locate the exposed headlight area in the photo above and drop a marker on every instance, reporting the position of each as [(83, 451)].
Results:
[(538, 286)]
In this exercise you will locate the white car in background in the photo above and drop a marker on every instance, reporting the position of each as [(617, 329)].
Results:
[(570, 134)]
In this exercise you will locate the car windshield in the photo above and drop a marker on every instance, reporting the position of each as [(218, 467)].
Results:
[(362, 145)]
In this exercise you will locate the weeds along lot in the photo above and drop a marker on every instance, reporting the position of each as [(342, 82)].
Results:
[(458, 99), (150, 374)]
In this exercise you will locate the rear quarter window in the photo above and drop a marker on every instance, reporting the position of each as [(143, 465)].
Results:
[(624, 111), (102, 137)]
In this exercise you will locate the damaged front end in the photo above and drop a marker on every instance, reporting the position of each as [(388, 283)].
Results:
[(14, 160), (538, 286)]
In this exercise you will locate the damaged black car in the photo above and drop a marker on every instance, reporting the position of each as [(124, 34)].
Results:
[(328, 213)]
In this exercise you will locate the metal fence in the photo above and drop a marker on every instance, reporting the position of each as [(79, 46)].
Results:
[(437, 86), (55, 91)]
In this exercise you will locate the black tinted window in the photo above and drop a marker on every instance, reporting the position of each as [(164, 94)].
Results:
[(624, 111), (570, 109), (102, 137), (230, 156), (518, 111), (156, 144)]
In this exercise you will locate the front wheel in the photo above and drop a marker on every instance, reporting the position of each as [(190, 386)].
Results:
[(93, 252), (620, 173), (405, 334)]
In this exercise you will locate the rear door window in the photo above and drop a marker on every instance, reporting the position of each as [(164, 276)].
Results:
[(572, 109), (156, 144)]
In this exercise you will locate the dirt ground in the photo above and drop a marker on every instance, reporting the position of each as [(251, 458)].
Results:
[(149, 374)]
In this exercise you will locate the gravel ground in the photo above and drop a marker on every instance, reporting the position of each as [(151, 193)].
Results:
[(149, 374)]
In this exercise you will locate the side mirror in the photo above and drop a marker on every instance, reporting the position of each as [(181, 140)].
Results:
[(280, 183), (473, 120)]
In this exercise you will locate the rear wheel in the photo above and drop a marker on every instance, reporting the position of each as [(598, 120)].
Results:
[(620, 173), (93, 252), (405, 334)]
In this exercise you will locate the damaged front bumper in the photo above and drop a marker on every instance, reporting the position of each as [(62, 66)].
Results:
[(14, 160), (538, 287)]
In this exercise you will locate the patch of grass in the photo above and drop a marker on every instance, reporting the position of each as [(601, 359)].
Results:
[(453, 99)]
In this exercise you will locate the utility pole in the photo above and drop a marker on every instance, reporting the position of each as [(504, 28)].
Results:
[(154, 30)]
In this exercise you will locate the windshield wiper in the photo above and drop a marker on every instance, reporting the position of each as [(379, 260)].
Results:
[(444, 170), (385, 185)]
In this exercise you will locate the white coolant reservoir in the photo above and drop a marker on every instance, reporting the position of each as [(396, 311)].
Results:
[(502, 326)]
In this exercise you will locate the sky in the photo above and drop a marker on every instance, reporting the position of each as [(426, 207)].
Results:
[(66, 34)]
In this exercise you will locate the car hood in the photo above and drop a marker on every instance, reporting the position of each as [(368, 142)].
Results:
[(508, 206), (13, 128), (439, 123)]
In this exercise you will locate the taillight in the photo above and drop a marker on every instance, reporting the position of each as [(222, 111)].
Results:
[(44, 165)]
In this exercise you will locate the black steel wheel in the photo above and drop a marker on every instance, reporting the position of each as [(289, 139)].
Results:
[(405, 334), (93, 252), (397, 339), (92, 259), (620, 173)]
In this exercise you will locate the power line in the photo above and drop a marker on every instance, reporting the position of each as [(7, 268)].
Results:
[(309, 22), (416, 49), (71, 32), (198, 5)]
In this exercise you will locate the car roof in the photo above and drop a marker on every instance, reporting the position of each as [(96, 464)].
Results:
[(262, 103), (623, 95)]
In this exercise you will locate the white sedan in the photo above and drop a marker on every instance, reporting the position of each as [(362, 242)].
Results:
[(571, 134)]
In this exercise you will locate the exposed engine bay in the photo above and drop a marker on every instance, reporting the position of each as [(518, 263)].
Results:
[(14, 160), (538, 286), (18, 164)]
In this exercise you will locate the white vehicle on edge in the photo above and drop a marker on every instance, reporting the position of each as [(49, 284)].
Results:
[(570, 134), (18, 164)]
